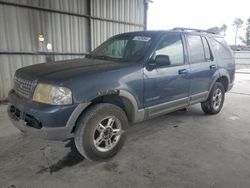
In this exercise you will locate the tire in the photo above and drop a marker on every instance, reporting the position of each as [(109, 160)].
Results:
[(215, 101), (100, 131)]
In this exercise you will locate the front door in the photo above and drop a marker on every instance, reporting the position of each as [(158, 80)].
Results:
[(166, 86)]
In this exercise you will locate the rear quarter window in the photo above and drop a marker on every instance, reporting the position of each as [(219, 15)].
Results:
[(221, 49), (207, 50)]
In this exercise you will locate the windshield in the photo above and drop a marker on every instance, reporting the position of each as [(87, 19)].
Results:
[(126, 47)]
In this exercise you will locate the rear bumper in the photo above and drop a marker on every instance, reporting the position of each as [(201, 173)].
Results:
[(42, 120)]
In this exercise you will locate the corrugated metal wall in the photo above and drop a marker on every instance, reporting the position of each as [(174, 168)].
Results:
[(73, 27), (131, 11)]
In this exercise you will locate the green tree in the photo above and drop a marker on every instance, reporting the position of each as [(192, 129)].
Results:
[(237, 24), (215, 30), (218, 30), (224, 29), (246, 40)]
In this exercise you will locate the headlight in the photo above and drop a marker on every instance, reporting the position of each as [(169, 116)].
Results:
[(54, 95)]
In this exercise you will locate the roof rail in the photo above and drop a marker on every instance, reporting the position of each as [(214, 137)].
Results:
[(192, 29)]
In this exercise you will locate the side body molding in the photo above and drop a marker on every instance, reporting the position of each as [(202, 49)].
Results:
[(74, 116), (138, 114)]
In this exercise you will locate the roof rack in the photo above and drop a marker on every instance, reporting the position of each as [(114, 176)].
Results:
[(192, 29)]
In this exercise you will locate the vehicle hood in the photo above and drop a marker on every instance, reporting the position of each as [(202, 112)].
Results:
[(67, 69)]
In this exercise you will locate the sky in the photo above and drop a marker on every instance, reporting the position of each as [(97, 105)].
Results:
[(201, 14)]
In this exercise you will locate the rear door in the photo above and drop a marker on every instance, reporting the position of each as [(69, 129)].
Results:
[(202, 66)]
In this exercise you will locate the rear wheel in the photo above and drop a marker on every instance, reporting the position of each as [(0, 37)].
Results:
[(215, 100), (100, 132)]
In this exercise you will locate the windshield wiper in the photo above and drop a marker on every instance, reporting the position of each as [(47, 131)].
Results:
[(105, 57), (101, 57)]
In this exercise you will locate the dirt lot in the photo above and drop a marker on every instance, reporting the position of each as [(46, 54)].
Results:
[(182, 149)]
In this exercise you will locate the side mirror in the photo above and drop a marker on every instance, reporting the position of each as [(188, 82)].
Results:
[(162, 60), (152, 64)]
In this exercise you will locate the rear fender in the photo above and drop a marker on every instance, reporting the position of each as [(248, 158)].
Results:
[(216, 76)]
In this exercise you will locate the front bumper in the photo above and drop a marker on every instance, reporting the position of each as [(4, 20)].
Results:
[(42, 120), (61, 133)]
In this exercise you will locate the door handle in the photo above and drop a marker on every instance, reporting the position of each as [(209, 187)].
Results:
[(212, 66), (183, 71)]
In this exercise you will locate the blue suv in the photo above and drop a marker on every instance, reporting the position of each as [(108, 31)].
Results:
[(129, 78)]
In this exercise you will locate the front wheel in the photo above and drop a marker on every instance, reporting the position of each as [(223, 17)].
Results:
[(215, 100), (100, 132)]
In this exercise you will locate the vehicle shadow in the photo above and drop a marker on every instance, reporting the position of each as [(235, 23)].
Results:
[(175, 120), (72, 158)]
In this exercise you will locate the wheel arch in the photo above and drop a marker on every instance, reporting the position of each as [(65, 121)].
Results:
[(225, 82), (125, 102), (221, 76), (124, 99)]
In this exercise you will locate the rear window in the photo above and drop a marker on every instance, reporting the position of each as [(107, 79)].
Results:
[(221, 49)]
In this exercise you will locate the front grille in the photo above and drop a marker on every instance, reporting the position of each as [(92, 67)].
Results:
[(24, 87)]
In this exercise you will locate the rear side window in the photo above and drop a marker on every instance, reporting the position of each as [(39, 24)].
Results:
[(221, 49), (196, 51), (207, 50)]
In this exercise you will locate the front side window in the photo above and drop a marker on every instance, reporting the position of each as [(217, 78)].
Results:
[(126, 47), (196, 51), (171, 46)]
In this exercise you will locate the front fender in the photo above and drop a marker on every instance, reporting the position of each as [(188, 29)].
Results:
[(138, 114)]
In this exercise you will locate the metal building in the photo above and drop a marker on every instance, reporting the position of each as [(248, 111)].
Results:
[(36, 31)]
